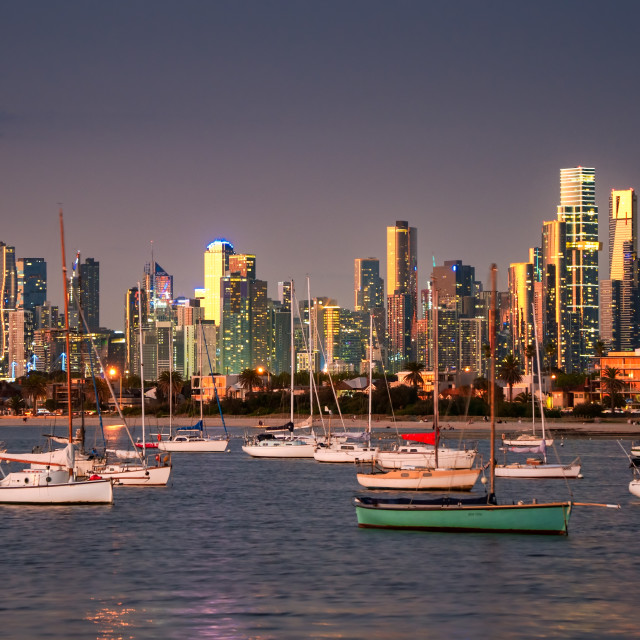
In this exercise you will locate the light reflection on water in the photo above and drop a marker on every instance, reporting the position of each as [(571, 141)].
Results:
[(265, 549)]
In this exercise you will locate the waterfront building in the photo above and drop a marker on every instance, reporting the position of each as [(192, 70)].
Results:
[(579, 212), (402, 293), (132, 322), (32, 283), (216, 266)]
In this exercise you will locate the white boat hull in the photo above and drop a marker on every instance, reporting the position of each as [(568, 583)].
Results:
[(194, 446), (526, 441), (421, 479), (524, 470), (447, 459), (134, 475), (345, 453), (31, 487), (280, 449), (634, 487)]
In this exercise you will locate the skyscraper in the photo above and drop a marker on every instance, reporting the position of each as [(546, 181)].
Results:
[(8, 299), (521, 290), (368, 285), (216, 265), (32, 282), (90, 293), (402, 292), (578, 210)]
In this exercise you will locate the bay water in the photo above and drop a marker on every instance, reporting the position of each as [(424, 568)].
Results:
[(242, 548)]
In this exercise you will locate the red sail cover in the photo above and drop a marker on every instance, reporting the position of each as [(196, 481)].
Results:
[(426, 438)]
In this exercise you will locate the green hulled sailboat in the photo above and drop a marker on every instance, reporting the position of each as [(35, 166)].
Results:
[(479, 514)]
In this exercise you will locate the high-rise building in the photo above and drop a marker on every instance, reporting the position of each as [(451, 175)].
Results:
[(8, 299), (579, 212), (216, 266), (90, 293), (521, 292), (32, 282), (20, 342), (132, 322), (619, 307), (402, 293), (368, 285), (243, 264)]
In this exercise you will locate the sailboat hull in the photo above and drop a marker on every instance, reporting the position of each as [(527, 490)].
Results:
[(634, 487), (280, 449), (551, 518), (421, 479), (345, 453), (203, 445), (523, 470), (31, 487), (135, 475), (425, 457)]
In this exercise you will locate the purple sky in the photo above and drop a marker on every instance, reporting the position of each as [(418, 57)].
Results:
[(301, 130)]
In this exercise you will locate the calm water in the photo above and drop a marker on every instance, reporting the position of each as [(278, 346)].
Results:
[(242, 548)]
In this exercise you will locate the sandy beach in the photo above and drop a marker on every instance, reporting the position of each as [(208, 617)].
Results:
[(605, 427)]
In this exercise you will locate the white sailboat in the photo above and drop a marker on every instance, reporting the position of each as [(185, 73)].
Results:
[(269, 445), (194, 439), (537, 467), (51, 478), (438, 475), (132, 468), (352, 450)]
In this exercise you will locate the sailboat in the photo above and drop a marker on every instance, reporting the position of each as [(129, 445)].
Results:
[(132, 468), (270, 445), (482, 513), (537, 467), (437, 475), (51, 478), (194, 439), (339, 450)]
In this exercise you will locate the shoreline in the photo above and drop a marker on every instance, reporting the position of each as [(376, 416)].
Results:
[(471, 427)]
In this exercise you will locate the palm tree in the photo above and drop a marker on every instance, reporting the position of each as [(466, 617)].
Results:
[(550, 353), (600, 348), (34, 386), (610, 381), (524, 397), (17, 404), (176, 383), (510, 373), (414, 376), (248, 379), (530, 354)]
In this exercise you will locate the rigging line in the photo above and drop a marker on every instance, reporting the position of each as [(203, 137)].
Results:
[(333, 389), (215, 390), (386, 384), (95, 391), (111, 391)]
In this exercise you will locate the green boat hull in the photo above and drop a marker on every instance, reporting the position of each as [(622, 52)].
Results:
[(551, 518)]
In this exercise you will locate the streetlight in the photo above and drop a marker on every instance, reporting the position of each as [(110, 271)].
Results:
[(113, 372), (261, 371)]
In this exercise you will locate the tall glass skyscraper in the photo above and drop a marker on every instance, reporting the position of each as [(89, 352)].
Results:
[(216, 265), (578, 210), (8, 299), (402, 292), (90, 292), (32, 282)]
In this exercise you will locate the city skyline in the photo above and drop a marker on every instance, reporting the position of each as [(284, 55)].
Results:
[(301, 131)]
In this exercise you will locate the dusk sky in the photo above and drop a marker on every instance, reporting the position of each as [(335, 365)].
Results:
[(300, 130)]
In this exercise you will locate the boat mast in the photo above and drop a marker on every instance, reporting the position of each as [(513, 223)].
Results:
[(66, 330), (544, 442), (492, 375), (436, 367), (200, 370), (144, 444), (370, 373), (310, 353), (170, 378), (293, 355)]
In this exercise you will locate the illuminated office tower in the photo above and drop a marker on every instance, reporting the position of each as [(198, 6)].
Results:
[(535, 258), (158, 285), (557, 327), (521, 290), (331, 342), (20, 342), (284, 294), (32, 282), (368, 285), (402, 293), (471, 337), (619, 305), (90, 293), (242, 264), (216, 266), (578, 210), (455, 282), (132, 322), (8, 299)]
